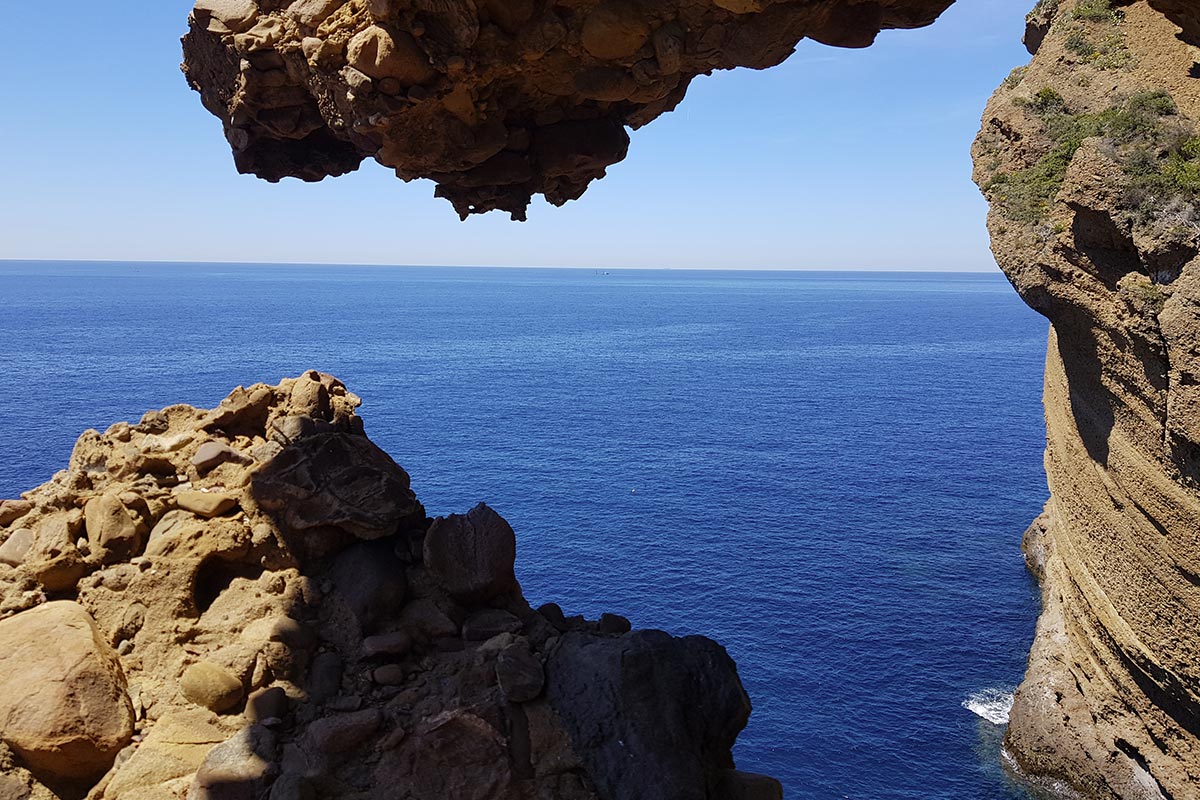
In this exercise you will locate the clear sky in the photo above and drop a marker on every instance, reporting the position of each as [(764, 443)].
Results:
[(838, 159)]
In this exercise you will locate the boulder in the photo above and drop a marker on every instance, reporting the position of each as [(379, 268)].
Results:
[(236, 15), (338, 482), (63, 703), (370, 578), (343, 732), (239, 768), (13, 510), (453, 755), (174, 748), (206, 504), (483, 625), (690, 707), (382, 53), (111, 529), (519, 673), (211, 686), (16, 547), (213, 454), (472, 555)]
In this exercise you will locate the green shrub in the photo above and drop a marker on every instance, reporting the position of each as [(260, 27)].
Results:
[(1047, 102), (1137, 125), (1079, 44), (1047, 7), (1095, 11)]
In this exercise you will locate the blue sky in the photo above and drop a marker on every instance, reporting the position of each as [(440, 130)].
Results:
[(838, 159)]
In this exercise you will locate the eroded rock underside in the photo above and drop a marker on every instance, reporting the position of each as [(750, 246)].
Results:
[(250, 602), (495, 100), (1090, 158)]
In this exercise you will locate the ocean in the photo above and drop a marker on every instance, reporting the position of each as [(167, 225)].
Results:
[(828, 473)]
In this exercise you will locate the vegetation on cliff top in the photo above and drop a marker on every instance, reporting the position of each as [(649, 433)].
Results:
[(1158, 149)]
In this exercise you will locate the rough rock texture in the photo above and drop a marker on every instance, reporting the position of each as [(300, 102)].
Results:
[(495, 100), (292, 640), (1090, 157)]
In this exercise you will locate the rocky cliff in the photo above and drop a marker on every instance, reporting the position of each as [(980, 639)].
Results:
[(494, 100), (1090, 158), (250, 602)]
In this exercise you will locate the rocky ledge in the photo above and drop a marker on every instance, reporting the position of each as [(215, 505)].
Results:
[(494, 100), (1090, 157), (250, 602)]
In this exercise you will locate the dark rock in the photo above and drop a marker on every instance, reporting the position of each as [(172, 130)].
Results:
[(490, 622), (389, 675), (653, 717), (519, 673), (472, 555), (554, 615), (344, 732), (613, 623), (370, 577), (239, 768), (455, 755), (340, 482), (268, 703), (325, 676), (396, 643), (736, 785)]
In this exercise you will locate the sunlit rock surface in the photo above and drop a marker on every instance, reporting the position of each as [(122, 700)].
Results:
[(494, 100)]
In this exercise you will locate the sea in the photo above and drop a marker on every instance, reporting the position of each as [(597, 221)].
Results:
[(827, 472)]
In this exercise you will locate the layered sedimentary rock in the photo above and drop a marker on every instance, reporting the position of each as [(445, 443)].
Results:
[(1090, 157), (495, 100), (250, 602)]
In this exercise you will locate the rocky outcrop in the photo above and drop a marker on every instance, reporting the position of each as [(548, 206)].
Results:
[(250, 602), (494, 100), (1090, 157)]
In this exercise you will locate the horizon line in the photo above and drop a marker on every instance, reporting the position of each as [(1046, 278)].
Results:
[(175, 262)]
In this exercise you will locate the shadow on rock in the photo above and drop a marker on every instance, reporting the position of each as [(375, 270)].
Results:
[(263, 610)]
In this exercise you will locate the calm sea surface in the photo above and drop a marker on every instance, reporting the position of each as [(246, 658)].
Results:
[(829, 473)]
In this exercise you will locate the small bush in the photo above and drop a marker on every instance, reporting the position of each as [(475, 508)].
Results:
[(1079, 44), (1047, 102), (1047, 7), (1095, 11), (1137, 125)]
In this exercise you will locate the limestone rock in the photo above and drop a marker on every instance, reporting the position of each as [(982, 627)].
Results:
[(174, 749), (110, 528), (13, 510), (320, 602), (472, 554), (63, 705), (210, 686), (456, 90), (1094, 234), (212, 454), (206, 504), (16, 547)]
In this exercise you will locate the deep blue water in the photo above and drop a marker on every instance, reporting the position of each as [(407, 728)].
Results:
[(829, 473)]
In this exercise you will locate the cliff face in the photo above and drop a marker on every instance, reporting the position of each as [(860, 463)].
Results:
[(1090, 157), (494, 100), (250, 602)]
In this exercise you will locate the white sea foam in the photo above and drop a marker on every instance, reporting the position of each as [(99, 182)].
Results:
[(991, 704)]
